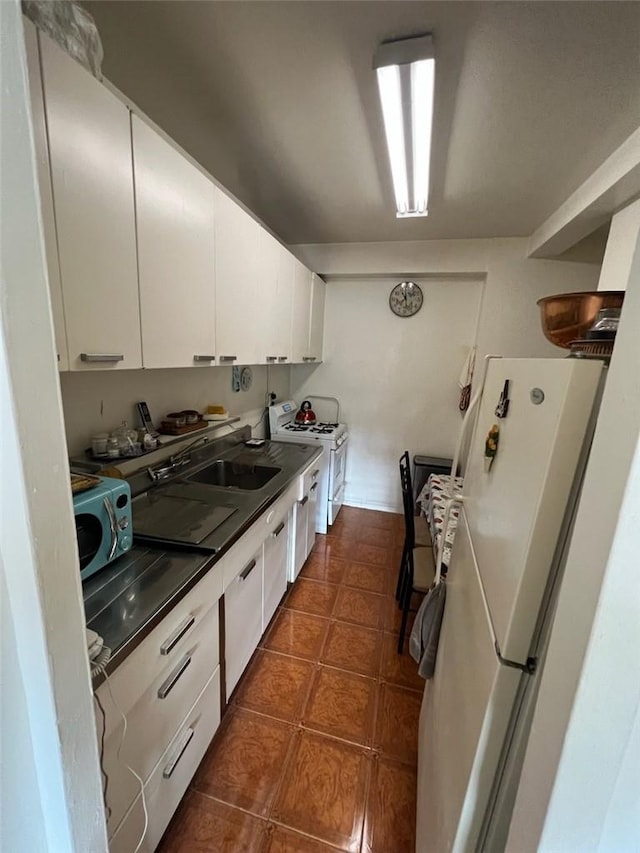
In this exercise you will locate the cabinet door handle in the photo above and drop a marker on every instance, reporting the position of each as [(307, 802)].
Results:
[(244, 574), (204, 358), (304, 500), (308, 358), (228, 358), (272, 358), (278, 530), (184, 742), (315, 486), (283, 357), (177, 635), (97, 356), (315, 473), (172, 680)]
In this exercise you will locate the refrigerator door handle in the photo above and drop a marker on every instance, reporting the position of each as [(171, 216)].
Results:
[(530, 665)]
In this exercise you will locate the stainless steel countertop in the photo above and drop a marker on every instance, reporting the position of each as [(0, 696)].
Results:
[(126, 600)]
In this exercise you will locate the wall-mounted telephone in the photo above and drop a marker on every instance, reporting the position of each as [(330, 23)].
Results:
[(99, 654)]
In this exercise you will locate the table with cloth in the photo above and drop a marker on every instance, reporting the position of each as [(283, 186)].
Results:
[(432, 504)]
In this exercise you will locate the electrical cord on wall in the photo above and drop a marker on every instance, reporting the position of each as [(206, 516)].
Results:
[(101, 668)]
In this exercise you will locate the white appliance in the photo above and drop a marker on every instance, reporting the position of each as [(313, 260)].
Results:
[(514, 527), (334, 438)]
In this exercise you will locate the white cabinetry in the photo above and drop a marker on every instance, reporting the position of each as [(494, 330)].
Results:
[(157, 687), (276, 554), (304, 518), (46, 196), (316, 319), (301, 312), (275, 295), (243, 618), (174, 219), (237, 275), (92, 177)]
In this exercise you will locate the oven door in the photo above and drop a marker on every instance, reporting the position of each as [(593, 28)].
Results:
[(337, 467)]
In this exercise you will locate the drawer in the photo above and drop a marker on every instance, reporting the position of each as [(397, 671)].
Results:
[(308, 477), (154, 718), (171, 776), (166, 644)]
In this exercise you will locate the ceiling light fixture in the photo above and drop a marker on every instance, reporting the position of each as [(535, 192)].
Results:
[(406, 72)]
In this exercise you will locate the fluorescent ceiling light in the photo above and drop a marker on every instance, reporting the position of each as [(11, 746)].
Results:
[(406, 71)]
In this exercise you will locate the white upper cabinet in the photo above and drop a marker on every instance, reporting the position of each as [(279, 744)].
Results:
[(275, 295), (92, 176), (301, 312), (238, 321), (46, 197), (176, 263), (316, 320)]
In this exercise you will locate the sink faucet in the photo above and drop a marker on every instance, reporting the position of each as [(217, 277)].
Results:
[(179, 460)]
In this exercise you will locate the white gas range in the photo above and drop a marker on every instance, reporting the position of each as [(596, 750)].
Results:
[(334, 438)]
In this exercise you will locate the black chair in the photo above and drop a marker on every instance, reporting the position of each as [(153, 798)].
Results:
[(417, 567), (416, 534)]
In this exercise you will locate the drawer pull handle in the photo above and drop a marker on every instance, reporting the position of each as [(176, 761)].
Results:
[(278, 530), (244, 574), (304, 500), (228, 358), (172, 680), (204, 358), (177, 635), (315, 486), (315, 473), (100, 356), (185, 740)]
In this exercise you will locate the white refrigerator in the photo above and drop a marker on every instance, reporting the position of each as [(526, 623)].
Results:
[(514, 526)]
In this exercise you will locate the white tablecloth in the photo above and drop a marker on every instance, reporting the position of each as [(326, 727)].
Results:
[(432, 503)]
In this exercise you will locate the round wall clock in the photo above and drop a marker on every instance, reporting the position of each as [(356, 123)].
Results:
[(405, 299), (246, 378)]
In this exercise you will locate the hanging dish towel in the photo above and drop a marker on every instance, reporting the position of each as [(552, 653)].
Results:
[(466, 378), (425, 634)]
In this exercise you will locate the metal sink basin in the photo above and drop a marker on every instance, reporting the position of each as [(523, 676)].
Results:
[(235, 475)]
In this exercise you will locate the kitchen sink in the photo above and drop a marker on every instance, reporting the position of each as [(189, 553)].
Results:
[(235, 475)]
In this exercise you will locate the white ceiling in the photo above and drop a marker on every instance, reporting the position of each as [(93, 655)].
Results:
[(278, 101)]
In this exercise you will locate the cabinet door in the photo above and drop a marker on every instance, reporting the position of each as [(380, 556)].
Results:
[(276, 550), (269, 252), (284, 300), (174, 220), (301, 516), (243, 619), (238, 321), (92, 177), (46, 197), (311, 518), (301, 312), (316, 324)]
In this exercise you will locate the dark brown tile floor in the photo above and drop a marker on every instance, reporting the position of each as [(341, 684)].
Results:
[(317, 750)]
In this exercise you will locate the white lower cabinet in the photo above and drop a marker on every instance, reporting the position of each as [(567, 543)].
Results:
[(311, 517), (243, 618), (169, 780), (276, 555), (301, 523)]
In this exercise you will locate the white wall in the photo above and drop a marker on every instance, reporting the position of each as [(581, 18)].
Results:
[(580, 785), (508, 324), (621, 244), (396, 377), (99, 401), (50, 774)]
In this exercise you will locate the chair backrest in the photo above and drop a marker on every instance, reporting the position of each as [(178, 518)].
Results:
[(407, 499)]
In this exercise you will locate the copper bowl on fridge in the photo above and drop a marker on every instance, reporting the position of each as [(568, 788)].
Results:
[(569, 316)]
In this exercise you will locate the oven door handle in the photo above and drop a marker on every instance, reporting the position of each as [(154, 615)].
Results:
[(113, 527)]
